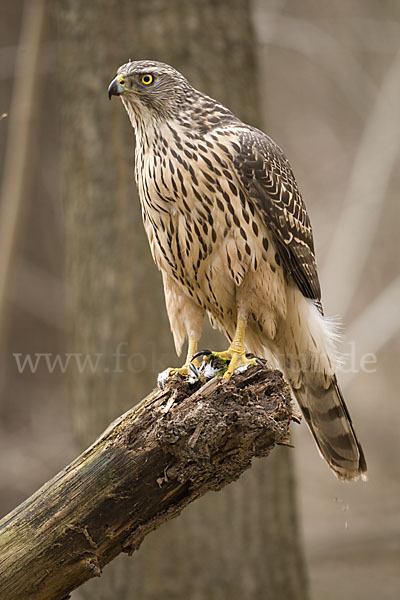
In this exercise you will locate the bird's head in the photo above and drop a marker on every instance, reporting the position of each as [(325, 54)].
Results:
[(149, 86)]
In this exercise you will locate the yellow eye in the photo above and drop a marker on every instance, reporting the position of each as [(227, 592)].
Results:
[(147, 79)]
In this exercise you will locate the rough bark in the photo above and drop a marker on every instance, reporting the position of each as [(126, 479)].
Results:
[(169, 450), (243, 542)]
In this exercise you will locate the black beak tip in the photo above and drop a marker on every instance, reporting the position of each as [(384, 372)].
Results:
[(113, 89)]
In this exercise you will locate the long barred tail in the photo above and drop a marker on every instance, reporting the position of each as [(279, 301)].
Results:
[(329, 421), (309, 363)]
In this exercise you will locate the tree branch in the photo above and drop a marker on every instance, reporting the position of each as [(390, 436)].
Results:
[(172, 448)]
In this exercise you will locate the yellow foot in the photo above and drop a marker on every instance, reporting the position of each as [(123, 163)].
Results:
[(186, 370), (189, 368), (235, 360)]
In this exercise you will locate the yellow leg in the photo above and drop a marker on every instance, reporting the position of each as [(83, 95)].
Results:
[(192, 349), (184, 369), (236, 355), (236, 352), (237, 344)]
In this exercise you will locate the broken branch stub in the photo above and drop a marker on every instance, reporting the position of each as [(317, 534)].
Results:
[(172, 448)]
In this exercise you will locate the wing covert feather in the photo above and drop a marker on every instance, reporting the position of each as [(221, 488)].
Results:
[(268, 178)]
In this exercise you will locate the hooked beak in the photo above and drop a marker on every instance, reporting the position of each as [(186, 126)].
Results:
[(115, 88)]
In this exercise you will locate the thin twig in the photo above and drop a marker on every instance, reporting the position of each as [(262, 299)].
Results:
[(365, 198), (19, 146)]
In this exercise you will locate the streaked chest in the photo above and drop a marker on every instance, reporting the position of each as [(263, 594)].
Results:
[(203, 229), (187, 191)]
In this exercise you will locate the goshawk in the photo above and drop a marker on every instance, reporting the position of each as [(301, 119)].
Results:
[(229, 231)]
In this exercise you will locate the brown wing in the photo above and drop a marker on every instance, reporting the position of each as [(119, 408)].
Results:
[(265, 172)]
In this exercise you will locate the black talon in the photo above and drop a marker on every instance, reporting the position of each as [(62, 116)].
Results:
[(260, 362), (201, 353), (193, 369)]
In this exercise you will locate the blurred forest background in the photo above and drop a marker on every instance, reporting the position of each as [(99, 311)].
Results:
[(328, 84)]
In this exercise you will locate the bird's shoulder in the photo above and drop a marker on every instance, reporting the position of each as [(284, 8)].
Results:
[(266, 174)]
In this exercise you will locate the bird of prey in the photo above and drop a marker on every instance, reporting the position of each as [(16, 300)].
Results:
[(230, 233)]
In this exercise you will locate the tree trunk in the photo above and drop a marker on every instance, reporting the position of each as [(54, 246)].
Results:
[(243, 542), (173, 447)]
